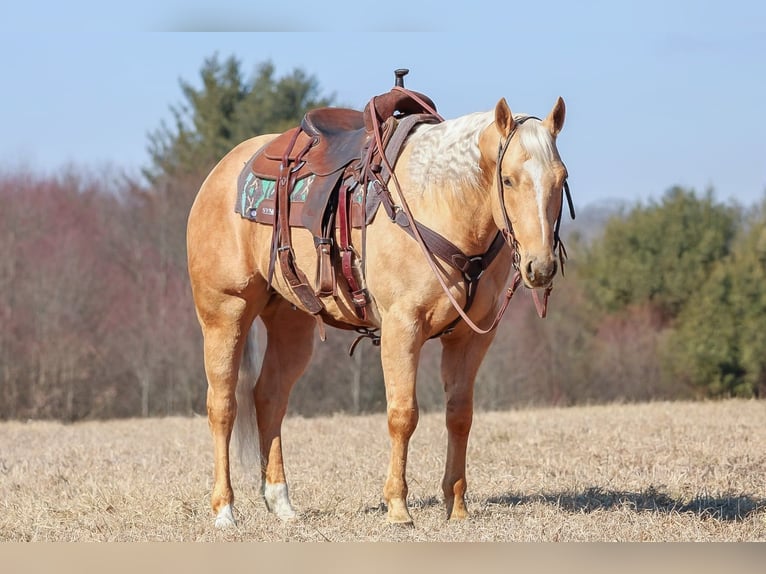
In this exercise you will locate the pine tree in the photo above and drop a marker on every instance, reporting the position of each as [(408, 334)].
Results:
[(720, 343), (659, 254), (226, 110)]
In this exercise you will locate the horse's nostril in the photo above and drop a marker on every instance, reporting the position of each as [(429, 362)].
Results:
[(530, 270)]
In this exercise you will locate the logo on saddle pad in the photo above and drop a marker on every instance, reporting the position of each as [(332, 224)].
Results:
[(256, 197)]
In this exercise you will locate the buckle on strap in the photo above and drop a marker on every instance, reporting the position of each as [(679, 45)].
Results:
[(471, 267), (360, 297)]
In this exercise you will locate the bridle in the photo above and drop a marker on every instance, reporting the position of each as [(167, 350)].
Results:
[(507, 231), (414, 229)]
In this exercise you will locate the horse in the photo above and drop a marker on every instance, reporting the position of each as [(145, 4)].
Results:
[(470, 179)]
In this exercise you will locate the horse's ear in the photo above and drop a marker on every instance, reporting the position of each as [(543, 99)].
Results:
[(504, 118), (555, 120)]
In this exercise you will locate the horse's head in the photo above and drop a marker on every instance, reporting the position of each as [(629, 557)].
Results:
[(527, 182)]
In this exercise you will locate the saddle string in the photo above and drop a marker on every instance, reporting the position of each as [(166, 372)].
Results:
[(281, 183), (281, 243)]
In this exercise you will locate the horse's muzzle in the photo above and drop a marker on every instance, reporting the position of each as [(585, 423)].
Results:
[(538, 273)]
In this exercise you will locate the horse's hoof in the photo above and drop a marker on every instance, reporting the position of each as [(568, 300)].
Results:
[(278, 501), (225, 518), (401, 523), (457, 513), (398, 514), (286, 514)]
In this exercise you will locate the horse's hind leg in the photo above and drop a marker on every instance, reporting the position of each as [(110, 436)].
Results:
[(462, 354), (225, 324), (288, 352)]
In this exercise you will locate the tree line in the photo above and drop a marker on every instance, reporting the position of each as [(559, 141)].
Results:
[(664, 299)]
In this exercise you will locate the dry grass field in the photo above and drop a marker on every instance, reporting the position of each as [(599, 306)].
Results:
[(647, 472)]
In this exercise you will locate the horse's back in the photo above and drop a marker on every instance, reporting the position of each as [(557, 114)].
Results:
[(217, 193), (217, 237)]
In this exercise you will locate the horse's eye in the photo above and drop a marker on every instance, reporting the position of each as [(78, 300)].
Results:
[(507, 182)]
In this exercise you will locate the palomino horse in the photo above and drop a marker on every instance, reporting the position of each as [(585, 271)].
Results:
[(467, 179)]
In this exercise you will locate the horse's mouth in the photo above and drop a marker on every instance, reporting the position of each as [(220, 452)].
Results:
[(540, 288), (537, 286)]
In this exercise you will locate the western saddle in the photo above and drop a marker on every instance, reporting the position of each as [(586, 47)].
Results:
[(330, 174)]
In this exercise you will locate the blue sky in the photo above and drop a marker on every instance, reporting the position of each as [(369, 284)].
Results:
[(658, 93)]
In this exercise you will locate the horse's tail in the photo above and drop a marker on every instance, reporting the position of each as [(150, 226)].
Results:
[(245, 434)]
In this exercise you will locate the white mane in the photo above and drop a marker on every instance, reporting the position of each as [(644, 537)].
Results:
[(446, 159)]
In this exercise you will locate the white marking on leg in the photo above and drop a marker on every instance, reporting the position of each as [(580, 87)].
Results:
[(534, 168), (225, 518), (278, 501)]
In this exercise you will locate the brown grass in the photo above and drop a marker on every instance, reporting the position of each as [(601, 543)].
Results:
[(649, 472)]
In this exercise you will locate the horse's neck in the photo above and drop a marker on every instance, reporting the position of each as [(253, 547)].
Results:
[(463, 216), (442, 178), (458, 209)]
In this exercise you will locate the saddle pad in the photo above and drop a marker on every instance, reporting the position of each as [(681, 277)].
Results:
[(255, 199)]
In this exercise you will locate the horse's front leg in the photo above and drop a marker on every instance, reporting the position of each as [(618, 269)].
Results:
[(462, 354), (400, 352)]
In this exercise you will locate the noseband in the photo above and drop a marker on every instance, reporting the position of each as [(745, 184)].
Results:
[(507, 231)]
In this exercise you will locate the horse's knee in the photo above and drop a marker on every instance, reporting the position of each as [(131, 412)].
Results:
[(403, 419), (459, 416), (221, 405)]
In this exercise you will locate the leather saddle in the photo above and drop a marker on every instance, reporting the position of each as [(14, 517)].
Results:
[(340, 134), (327, 141), (317, 175)]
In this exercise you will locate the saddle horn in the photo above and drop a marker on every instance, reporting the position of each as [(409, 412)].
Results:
[(398, 102)]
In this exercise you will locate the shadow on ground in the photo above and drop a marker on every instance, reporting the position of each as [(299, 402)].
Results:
[(730, 508)]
